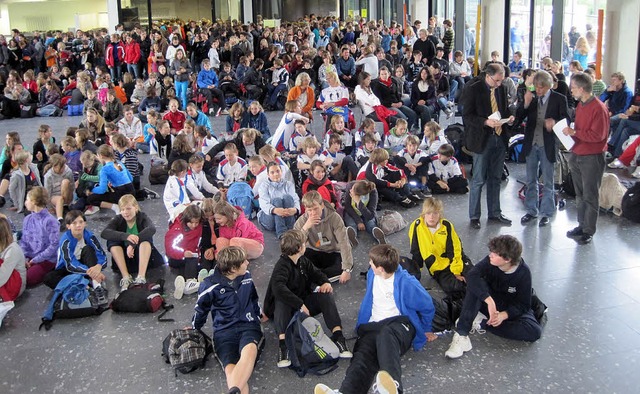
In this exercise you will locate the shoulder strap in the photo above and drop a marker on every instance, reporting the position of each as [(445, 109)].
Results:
[(448, 250), (415, 247)]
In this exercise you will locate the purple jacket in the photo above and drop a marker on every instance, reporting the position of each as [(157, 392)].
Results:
[(40, 237)]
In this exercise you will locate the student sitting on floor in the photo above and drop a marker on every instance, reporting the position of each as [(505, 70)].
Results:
[(198, 177), (279, 203), (232, 168), (445, 175), (394, 142), (230, 295), (40, 236), (13, 272), (390, 181), (58, 180), (430, 236), (236, 230), (498, 291), (319, 181), (115, 181), (296, 284), (395, 314), (414, 162), (22, 179), (340, 166), (129, 237), (360, 206), (328, 245)]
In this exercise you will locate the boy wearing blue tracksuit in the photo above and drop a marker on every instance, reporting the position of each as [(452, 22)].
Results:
[(395, 314), (231, 297)]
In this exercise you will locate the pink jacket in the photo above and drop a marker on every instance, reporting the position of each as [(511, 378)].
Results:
[(243, 228)]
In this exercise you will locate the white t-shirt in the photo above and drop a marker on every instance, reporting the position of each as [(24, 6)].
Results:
[(384, 305), (78, 250)]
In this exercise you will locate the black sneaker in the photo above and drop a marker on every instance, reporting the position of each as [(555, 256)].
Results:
[(283, 358), (353, 236), (407, 203), (102, 295), (415, 197), (2, 201), (341, 343)]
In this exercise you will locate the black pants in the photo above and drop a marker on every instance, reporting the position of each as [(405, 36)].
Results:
[(395, 195), (214, 93), (379, 347), (88, 257), (421, 171), (316, 303), (522, 328), (454, 288), (457, 184), (255, 92), (133, 263), (328, 262), (189, 267), (111, 196)]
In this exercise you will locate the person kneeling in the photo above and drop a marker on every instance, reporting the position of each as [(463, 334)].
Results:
[(231, 297), (395, 314), (498, 289), (296, 284)]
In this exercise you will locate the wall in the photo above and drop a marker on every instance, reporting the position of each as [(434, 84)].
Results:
[(54, 15), (295, 9), (621, 39)]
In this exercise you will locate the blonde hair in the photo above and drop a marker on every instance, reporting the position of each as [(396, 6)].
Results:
[(379, 155), (432, 204), (128, 199), (312, 198), (309, 142)]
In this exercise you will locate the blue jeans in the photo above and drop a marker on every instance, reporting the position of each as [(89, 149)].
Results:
[(623, 131), (278, 223), (133, 69), (453, 88), (350, 222), (47, 110), (407, 114), (116, 72), (143, 146), (537, 160), (487, 168), (181, 92), (274, 91)]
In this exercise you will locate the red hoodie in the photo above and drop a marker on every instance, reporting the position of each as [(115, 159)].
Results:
[(177, 240)]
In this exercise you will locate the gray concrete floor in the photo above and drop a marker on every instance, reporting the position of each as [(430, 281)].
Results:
[(590, 344)]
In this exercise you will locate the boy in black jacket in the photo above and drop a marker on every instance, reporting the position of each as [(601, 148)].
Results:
[(296, 284), (231, 297), (499, 287)]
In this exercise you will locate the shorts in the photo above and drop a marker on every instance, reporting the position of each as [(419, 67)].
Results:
[(230, 342)]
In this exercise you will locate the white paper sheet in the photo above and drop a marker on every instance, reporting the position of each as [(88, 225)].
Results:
[(566, 140), (496, 116)]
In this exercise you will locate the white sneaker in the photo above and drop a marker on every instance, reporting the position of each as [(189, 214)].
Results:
[(324, 389), (636, 173), (179, 283), (191, 286), (125, 283), (91, 210), (140, 280), (202, 274), (476, 326), (385, 384), (616, 164), (459, 345), (5, 307), (115, 208)]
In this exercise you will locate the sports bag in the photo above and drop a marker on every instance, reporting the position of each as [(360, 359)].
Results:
[(146, 298), (241, 195), (310, 349), (186, 349), (158, 174), (631, 203), (391, 222), (72, 298)]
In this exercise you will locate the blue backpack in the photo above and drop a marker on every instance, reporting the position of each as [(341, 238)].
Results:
[(72, 298), (241, 195)]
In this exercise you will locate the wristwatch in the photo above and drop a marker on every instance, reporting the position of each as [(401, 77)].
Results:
[(348, 270)]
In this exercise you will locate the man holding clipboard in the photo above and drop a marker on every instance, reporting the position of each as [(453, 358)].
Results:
[(542, 108), (587, 161)]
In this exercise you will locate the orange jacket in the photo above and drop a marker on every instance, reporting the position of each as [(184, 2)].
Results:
[(295, 92)]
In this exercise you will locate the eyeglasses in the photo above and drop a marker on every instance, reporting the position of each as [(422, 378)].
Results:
[(497, 82)]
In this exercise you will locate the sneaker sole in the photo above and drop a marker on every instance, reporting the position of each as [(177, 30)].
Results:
[(353, 237), (179, 283), (323, 389), (378, 234), (346, 355), (202, 274), (385, 383), (284, 364)]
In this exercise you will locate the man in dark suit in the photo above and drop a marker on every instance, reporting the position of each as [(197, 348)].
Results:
[(487, 139), (542, 109)]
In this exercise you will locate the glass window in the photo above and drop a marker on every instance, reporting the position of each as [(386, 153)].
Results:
[(228, 10), (356, 9), (134, 11), (519, 31), (471, 19), (268, 9), (581, 21), (44, 15), (543, 18)]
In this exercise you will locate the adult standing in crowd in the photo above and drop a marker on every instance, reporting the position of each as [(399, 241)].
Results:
[(587, 161), (487, 139)]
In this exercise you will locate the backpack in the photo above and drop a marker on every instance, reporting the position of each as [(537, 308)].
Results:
[(391, 222), (241, 195), (310, 349), (158, 174), (515, 148), (28, 111), (72, 298), (446, 314), (186, 349), (563, 180), (631, 203), (146, 298)]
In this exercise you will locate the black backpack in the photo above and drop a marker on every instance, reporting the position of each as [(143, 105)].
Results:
[(310, 349), (631, 203), (146, 298), (186, 350), (455, 136)]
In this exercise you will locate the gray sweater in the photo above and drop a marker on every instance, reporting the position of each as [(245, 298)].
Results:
[(53, 181), (18, 186), (13, 259)]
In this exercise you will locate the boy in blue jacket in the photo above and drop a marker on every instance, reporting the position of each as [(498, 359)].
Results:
[(231, 297), (395, 314)]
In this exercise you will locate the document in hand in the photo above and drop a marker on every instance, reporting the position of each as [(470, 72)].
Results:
[(566, 140), (496, 116)]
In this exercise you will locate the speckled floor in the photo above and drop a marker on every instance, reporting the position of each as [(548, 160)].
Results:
[(590, 344)]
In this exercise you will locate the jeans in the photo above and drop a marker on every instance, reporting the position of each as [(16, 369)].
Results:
[(47, 110), (625, 129), (273, 92), (143, 146), (116, 72), (537, 161), (453, 88), (586, 173), (278, 223), (407, 114), (368, 225), (134, 70), (487, 168), (181, 92)]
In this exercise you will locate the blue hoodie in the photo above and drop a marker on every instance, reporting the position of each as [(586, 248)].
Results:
[(111, 175), (66, 258), (412, 300), (206, 78)]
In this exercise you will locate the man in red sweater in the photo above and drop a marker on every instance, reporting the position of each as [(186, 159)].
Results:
[(587, 161)]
